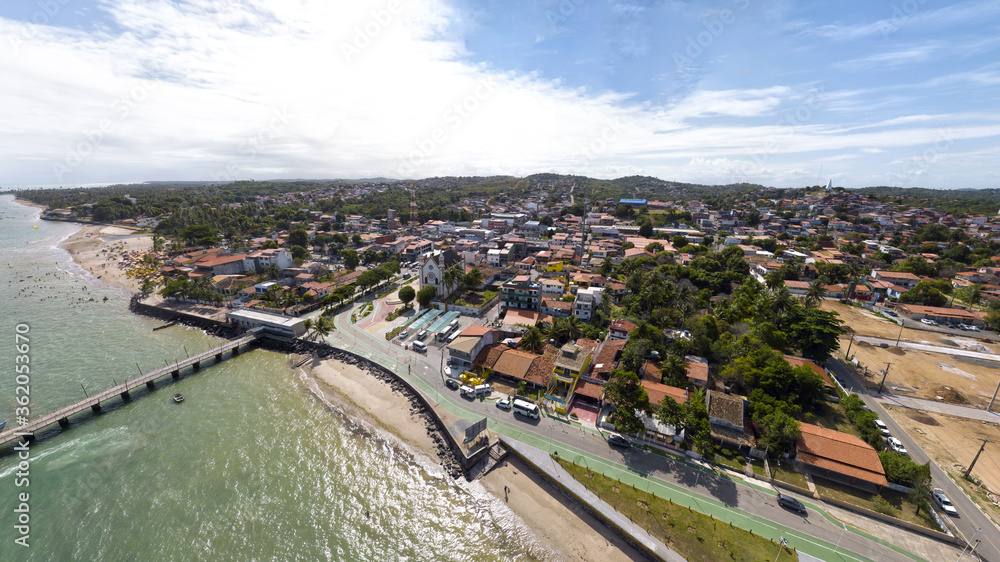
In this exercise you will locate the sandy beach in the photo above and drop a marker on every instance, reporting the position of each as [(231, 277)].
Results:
[(30, 204), (566, 530), (100, 257)]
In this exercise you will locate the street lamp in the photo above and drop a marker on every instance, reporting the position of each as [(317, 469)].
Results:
[(781, 544), (841, 536), (970, 542)]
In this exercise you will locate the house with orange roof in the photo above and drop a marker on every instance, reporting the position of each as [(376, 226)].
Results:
[(840, 457)]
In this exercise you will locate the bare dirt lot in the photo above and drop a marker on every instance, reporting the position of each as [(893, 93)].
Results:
[(920, 374), (952, 442)]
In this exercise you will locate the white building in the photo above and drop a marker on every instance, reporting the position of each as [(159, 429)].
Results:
[(273, 323), (587, 300), (432, 268)]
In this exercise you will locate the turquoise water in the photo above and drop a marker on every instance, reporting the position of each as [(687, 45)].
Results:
[(252, 466)]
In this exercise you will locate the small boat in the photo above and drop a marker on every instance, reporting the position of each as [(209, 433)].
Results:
[(178, 397), (2, 424)]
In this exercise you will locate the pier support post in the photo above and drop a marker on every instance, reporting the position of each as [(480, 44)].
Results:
[(64, 422), (150, 385), (125, 396), (96, 408), (236, 351), (218, 357), (176, 374), (196, 365)]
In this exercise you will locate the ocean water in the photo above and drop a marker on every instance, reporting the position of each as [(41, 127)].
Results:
[(252, 466)]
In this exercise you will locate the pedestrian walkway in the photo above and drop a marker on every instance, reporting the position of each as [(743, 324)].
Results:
[(747, 505), (545, 464)]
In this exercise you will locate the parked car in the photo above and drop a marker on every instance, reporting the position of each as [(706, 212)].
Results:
[(616, 440), (889, 313), (882, 428), (928, 321), (897, 445), (942, 500), (452, 383), (404, 334), (504, 403), (962, 326), (791, 503)]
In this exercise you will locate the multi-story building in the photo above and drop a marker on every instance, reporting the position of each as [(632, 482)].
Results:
[(520, 292)]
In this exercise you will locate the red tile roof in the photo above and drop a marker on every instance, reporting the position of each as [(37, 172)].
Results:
[(589, 389), (839, 452), (800, 361)]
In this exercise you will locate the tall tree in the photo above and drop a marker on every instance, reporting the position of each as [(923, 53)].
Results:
[(407, 294), (629, 397), (426, 295)]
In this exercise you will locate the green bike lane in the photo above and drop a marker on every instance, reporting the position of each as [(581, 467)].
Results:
[(407, 366)]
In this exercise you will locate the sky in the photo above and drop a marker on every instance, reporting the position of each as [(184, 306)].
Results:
[(780, 93)]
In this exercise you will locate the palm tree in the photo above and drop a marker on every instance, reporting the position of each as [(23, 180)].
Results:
[(574, 327), (452, 277), (321, 328), (814, 293), (532, 340)]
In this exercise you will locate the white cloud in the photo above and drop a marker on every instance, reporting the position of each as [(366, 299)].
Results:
[(308, 88)]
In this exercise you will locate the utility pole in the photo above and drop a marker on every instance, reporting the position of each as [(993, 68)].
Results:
[(885, 374), (990, 407), (981, 447), (848, 354), (900, 333)]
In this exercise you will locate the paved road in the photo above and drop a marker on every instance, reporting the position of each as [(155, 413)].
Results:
[(750, 506), (970, 516), (939, 407), (931, 348)]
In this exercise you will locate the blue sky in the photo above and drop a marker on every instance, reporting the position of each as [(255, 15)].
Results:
[(778, 93)]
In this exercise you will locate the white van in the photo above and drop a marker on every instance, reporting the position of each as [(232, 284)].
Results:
[(882, 428), (420, 346), (525, 408), (483, 389), (421, 335), (467, 391)]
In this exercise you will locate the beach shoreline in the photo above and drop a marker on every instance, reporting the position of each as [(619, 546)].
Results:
[(27, 203), (565, 530), (98, 256)]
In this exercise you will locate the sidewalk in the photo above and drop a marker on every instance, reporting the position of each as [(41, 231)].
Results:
[(750, 504), (545, 464)]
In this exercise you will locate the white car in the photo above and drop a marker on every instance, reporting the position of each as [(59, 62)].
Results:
[(897, 445), (882, 428), (928, 321), (504, 403), (943, 501)]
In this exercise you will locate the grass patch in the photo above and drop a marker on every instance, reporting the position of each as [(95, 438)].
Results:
[(788, 476), (832, 415), (731, 458), (891, 501), (691, 534), (758, 468)]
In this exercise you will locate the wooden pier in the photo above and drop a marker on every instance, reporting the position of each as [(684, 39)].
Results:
[(148, 380)]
